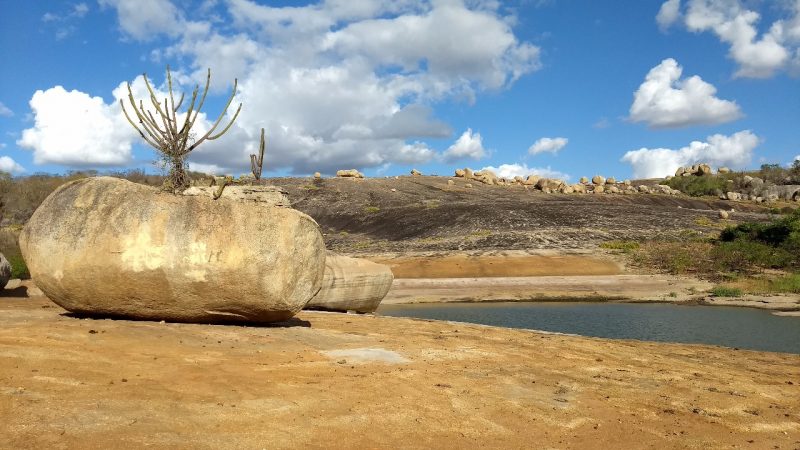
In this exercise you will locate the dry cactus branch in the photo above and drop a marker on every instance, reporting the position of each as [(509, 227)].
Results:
[(257, 162), (172, 140)]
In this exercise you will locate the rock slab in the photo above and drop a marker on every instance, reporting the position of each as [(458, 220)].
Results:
[(105, 246), (352, 284)]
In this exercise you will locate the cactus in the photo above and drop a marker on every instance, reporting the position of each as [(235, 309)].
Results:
[(256, 163), (224, 182), (171, 140)]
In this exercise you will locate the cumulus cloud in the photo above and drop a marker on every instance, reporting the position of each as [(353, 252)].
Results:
[(735, 151), (143, 20), (668, 14), (5, 111), (664, 100), (512, 170), (759, 55), (549, 145), (468, 146), (339, 83), (8, 165), (72, 128)]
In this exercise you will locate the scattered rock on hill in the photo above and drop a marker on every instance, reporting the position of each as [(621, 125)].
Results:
[(584, 180), (143, 254), (415, 173), (598, 180)]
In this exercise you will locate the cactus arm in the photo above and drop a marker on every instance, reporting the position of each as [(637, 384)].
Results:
[(257, 163), (141, 133), (209, 133)]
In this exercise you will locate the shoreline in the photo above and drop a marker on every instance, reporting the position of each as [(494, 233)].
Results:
[(581, 288)]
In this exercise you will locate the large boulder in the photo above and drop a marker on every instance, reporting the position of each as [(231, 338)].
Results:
[(460, 173), (352, 284), (5, 271), (598, 180), (549, 184), (105, 246), (349, 173)]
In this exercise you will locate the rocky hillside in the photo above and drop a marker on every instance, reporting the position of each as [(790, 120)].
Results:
[(427, 213)]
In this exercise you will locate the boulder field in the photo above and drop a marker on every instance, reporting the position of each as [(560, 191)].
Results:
[(105, 246)]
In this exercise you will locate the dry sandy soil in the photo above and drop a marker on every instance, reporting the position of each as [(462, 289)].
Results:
[(346, 381)]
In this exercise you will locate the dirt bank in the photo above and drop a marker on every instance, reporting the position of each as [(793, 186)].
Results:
[(343, 381), (484, 264), (598, 287)]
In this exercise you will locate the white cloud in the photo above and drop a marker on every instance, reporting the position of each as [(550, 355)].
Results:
[(72, 128), (337, 84), (510, 171), (668, 14), (8, 165), (5, 111), (735, 151), (143, 20), (468, 146), (550, 145), (759, 55), (664, 100)]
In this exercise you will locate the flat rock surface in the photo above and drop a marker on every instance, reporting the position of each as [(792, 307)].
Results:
[(328, 380)]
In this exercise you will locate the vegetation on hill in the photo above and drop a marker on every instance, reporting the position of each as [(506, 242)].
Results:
[(698, 186), (754, 257)]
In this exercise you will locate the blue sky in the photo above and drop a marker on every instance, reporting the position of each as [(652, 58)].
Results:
[(563, 88)]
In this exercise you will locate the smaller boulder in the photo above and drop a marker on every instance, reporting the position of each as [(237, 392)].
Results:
[(598, 180), (451, 182), (584, 180), (599, 189), (352, 284), (611, 180), (460, 173), (415, 173), (723, 214), (5, 271), (723, 170), (317, 175)]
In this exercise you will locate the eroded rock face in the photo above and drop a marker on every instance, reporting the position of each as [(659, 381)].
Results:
[(352, 284), (5, 271), (105, 246)]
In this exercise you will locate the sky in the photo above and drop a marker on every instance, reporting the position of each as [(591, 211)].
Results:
[(559, 88)]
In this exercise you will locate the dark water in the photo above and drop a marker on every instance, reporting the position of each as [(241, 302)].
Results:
[(727, 326)]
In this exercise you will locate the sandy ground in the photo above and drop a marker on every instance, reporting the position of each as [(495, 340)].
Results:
[(346, 381)]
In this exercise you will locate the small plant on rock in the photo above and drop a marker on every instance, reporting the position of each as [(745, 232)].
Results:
[(162, 131)]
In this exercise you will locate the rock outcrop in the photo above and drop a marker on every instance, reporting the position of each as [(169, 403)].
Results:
[(267, 195), (352, 284), (5, 271), (105, 246), (349, 173)]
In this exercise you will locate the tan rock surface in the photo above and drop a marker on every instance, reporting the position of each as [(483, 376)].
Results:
[(270, 195), (345, 381), (352, 284), (110, 247)]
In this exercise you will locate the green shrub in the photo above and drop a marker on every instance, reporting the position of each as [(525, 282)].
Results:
[(726, 291), (697, 186), (622, 246), (18, 267), (788, 283)]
